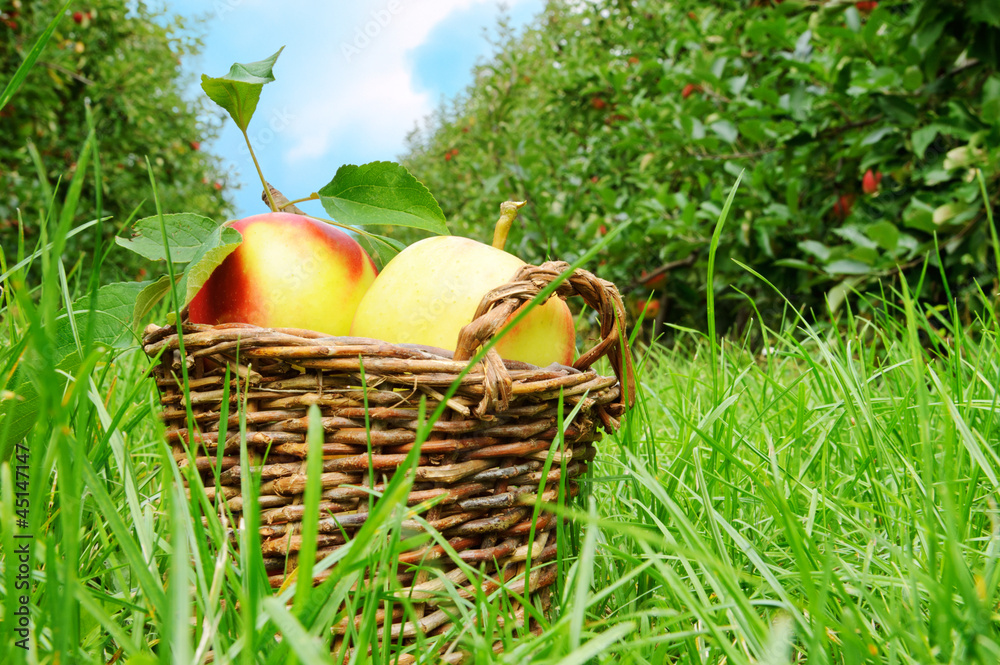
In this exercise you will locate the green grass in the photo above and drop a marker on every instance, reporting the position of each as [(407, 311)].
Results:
[(833, 500)]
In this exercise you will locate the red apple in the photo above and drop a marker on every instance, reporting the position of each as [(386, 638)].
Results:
[(690, 89), (290, 272), (842, 208), (651, 311)]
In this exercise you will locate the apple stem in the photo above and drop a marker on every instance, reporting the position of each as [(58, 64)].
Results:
[(508, 213), (267, 190), (312, 197)]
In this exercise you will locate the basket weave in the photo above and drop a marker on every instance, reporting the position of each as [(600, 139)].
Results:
[(485, 455)]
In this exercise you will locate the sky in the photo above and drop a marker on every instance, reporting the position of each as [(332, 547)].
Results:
[(355, 78)]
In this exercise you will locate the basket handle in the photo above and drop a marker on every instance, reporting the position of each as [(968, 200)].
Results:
[(500, 303)]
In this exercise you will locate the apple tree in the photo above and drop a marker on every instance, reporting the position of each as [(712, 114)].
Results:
[(122, 59), (859, 129)]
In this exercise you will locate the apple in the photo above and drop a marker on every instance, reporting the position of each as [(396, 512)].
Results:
[(842, 208), (690, 89), (430, 290), (871, 181), (290, 271), (649, 310)]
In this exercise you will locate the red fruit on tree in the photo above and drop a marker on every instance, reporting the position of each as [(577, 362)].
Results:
[(598, 103), (218, 185), (871, 181), (690, 89), (78, 17), (842, 208), (447, 156), (594, 178), (633, 60), (195, 145), (866, 5), (651, 309)]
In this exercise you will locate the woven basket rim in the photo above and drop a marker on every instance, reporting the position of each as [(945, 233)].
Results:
[(494, 310)]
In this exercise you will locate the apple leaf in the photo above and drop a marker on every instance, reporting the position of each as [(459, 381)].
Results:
[(847, 267), (146, 299), (239, 91), (385, 248), (381, 193), (185, 234), (213, 251)]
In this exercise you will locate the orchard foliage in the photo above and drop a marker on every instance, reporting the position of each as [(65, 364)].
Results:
[(123, 60), (857, 127)]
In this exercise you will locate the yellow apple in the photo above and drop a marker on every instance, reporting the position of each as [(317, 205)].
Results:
[(290, 271), (430, 290)]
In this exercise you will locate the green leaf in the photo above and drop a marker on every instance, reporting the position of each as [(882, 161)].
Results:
[(185, 233), (385, 248), (381, 193), (836, 296), (991, 100), (725, 130), (798, 264), (146, 299), (847, 267), (919, 215), (852, 234), (223, 242), (239, 91), (817, 249), (899, 109), (987, 11), (922, 138), (877, 135), (885, 234)]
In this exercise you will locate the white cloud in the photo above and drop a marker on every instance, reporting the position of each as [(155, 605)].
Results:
[(366, 87)]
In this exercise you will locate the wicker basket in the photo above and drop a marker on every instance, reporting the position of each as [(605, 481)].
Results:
[(485, 455)]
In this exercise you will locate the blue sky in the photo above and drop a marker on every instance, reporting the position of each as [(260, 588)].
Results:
[(354, 79)]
